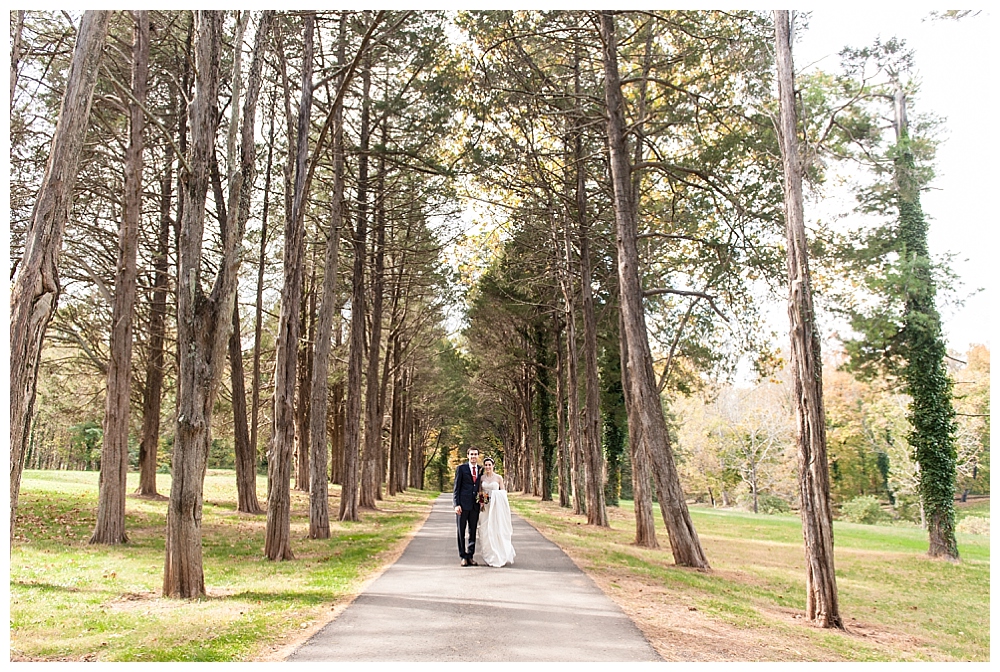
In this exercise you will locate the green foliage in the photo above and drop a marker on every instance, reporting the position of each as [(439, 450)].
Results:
[(86, 439), (614, 418), (772, 504), (892, 303), (865, 510)]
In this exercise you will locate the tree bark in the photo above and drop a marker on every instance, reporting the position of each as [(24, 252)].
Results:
[(642, 495), (319, 515), (593, 454), (352, 434), (15, 54), (277, 539), (36, 289), (807, 364), (645, 406), (202, 327), (307, 326), (371, 473), (110, 526), (152, 391), (259, 306), (245, 451), (561, 447)]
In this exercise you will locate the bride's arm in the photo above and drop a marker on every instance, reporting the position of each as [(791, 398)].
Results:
[(501, 482)]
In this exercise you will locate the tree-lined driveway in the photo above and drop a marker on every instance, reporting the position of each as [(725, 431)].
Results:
[(426, 607)]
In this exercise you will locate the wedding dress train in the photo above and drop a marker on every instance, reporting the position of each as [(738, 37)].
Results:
[(495, 528)]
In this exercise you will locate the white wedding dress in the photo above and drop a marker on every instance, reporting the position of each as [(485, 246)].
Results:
[(495, 528)]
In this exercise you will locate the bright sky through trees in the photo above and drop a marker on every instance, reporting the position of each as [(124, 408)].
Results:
[(957, 64)]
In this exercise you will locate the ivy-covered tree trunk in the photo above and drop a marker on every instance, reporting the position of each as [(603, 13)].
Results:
[(931, 413), (807, 365)]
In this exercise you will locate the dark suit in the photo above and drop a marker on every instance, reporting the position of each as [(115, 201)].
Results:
[(466, 495)]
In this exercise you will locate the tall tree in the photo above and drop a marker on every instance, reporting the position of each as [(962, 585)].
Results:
[(645, 407), (319, 516), (152, 391), (36, 290), (277, 540), (200, 338), (110, 526), (204, 320), (807, 365), (242, 160)]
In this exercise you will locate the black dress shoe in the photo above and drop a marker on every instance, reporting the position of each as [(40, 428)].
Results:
[(465, 563), (473, 563)]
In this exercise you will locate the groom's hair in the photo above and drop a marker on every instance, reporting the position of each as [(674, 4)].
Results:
[(472, 450)]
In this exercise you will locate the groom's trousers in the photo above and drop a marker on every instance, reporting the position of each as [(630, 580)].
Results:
[(467, 520)]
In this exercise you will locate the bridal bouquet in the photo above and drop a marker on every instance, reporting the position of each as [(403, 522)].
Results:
[(484, 499)]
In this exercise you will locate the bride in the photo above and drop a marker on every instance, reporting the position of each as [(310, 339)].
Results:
[(494, 522)]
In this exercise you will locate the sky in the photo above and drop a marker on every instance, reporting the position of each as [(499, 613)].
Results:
[(958, 67)]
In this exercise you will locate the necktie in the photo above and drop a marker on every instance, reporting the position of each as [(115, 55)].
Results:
[(473, 473)]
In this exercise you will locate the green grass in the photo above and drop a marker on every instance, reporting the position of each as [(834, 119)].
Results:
[(70, 600), (928, 609)]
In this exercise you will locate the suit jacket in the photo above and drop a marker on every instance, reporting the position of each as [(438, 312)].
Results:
[(466, 492)]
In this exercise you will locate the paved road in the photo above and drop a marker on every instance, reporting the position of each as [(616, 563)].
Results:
[(541, 608)]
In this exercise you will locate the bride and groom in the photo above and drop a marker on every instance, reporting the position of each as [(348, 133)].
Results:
[(482, 510)]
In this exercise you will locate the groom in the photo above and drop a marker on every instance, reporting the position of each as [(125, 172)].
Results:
[(468, 480)]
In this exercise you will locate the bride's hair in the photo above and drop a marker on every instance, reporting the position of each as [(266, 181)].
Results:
[(488, 459)]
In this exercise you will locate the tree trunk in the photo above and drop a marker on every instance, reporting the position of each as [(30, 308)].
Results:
[(319, 514), (397, 471), (561, 447), (245, 451), (203, 324), (277, 539), (593, 454), (15, 54), (807, 365), (307, 324), (371, 473), (352, 438), (152, 391), (931, 412), (642, 496), (110, 526), (259, 305), (36, 289), (645, 401)]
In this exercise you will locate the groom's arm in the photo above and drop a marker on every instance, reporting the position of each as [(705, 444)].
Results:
[(458, 480)]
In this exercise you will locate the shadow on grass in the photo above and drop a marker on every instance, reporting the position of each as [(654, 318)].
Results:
[(310, 598)]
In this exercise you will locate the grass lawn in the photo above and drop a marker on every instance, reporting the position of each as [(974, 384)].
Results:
[(72, 601), (898, 604)]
